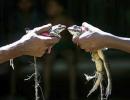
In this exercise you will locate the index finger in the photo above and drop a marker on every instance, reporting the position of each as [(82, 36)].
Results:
[(44, 28)]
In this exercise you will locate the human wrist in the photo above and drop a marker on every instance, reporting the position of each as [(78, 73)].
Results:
[(21, 47), (113, 41), (109, 40), (17, 49), (11, 51)]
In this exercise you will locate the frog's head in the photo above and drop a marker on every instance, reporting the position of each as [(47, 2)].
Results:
[(57, 29), (75, 30)]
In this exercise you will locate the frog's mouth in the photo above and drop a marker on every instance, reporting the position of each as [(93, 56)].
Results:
[(62, 27)]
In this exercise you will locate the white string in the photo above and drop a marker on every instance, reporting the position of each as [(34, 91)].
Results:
[(12, 63), (35, 75), (36, 79)]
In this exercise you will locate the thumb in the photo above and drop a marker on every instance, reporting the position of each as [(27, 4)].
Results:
[(90, 27), (44, 28), (85, 24)]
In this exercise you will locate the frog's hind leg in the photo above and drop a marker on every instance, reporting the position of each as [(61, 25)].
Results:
[(107, 69), (97, 83)]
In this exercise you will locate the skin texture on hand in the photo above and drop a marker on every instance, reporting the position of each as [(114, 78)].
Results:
[(32, 44), (35, 44), (94, 39), (91, 39)]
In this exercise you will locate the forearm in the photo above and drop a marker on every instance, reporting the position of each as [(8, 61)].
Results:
[(10, 51), (120, 43)]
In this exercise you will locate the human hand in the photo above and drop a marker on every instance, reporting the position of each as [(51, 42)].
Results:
[(91, 39), (34, 44)]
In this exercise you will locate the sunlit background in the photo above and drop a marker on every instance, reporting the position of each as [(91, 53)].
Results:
[(61, 73)]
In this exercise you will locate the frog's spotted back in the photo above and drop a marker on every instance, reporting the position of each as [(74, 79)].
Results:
[(56, 30), (75, 30)]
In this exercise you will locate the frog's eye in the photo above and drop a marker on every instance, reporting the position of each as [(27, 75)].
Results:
[(76, 27), (59, 25)]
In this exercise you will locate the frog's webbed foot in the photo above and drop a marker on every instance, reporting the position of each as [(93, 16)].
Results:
[(99, 77), (89, 77), (108, 89)]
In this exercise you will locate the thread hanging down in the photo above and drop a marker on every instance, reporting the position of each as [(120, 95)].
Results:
[(36, 81), (12, 63)]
